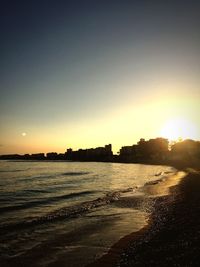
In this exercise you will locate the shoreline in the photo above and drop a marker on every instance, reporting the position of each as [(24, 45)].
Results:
[(116, 226), (126, 251), (151, 246)]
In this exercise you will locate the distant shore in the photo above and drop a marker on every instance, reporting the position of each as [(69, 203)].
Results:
[(157, 151), (172, 236)]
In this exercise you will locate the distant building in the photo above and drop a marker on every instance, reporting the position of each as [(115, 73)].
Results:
[(52, 155), (145, 150), (129, 153), (91, 154), (61, 156), (10, 156), (38, 156)]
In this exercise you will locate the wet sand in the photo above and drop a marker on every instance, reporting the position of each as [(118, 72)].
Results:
[(172, 237)]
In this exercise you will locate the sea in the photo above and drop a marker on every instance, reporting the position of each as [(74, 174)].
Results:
[(62, 213)]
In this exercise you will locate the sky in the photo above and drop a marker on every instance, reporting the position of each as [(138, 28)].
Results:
[(84, 74)]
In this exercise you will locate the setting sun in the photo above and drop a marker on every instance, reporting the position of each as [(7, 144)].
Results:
[(178, 128)]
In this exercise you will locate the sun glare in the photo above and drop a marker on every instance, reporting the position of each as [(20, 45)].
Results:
[(178, 128)]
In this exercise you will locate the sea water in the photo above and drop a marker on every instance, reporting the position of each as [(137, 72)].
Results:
[(69, 213)]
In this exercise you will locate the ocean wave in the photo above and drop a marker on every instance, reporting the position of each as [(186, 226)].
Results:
[(14, 170), (32, 178), (44, 201), (69, 212), (36, 191), (163, 176), (41, 177), (164, 172), (154, 182), (74, 173)]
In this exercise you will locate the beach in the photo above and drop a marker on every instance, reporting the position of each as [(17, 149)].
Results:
[(156, 224), (172, 235), (71, 213)]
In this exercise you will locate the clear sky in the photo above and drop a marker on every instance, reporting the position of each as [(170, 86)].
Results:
[(88, 73)]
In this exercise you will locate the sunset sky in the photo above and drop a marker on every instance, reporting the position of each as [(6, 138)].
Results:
[(88, 73)]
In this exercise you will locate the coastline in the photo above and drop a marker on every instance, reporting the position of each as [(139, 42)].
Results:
[(161, 204), (173, 231), (84, 238)]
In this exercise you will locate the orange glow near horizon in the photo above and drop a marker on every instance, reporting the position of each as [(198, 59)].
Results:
[(155, 115)]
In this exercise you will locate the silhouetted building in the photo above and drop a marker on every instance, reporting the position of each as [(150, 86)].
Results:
[(61, 156), (38, 156), (145, 150), (10, 156), (129, 153), (52, 156), (153, 148), (91, 154), (151, 151), (26, 156)]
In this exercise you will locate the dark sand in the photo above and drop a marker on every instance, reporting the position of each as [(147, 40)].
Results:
[(172, 237)]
